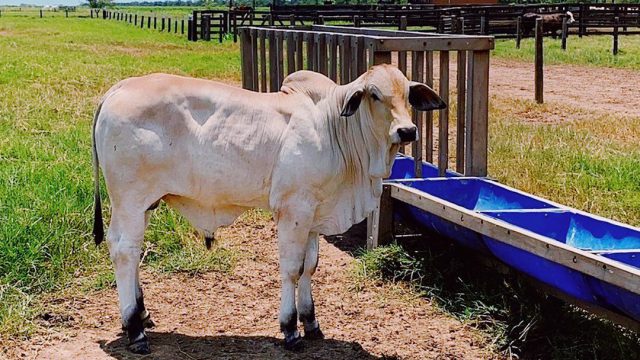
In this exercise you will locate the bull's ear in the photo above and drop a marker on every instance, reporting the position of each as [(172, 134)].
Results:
[(352, 103), (423, 98)]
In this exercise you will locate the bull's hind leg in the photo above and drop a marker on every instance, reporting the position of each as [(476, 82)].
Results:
[(306, 308), (293, 233), (125, 236)]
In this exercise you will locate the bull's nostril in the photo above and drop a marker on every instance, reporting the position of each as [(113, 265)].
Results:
[(407, 134)]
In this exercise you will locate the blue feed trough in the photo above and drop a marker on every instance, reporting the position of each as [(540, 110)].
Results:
[(589, 258)]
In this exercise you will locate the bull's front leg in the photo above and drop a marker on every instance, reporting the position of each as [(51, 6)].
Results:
[(294, 223), (306, 308)]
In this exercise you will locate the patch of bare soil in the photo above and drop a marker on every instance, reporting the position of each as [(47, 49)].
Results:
[(575, 91), (222, 316), (601, 90)]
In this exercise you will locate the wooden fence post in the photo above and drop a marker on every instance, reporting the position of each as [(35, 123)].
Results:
[(182, 27), (162, 24), (403, 23), (66, 13), (40, 13), (169, 25), (246, 59), (616, 24), (380, 221), (565, 29), (443, 136), (234, 24), (205, 27), (381, 57), (461, 85), (539, 63), (581, 20), (518, 31), (477, 113), (135, 20), (222, 28)]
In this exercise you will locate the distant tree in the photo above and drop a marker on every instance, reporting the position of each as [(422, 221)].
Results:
[(98, 4)]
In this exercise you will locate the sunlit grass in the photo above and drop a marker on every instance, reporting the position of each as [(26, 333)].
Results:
[(588, 50), (591, 162)]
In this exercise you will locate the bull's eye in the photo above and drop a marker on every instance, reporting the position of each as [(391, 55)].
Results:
[(375, 97)]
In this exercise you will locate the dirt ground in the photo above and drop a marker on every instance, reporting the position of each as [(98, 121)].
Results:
[(599, 90), (235, 316)]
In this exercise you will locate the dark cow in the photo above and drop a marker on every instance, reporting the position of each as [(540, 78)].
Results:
[(551, 23)]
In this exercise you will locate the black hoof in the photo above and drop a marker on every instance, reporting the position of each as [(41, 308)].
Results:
[(140, 347), (293, 343), (315, 334)]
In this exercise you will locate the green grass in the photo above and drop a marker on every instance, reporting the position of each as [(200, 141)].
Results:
[(588, 50), (587, 163), (52, 73)]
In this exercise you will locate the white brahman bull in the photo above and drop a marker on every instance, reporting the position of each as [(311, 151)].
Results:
[(314, 153)]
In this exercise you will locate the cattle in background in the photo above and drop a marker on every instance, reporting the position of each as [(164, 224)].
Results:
[(314, 153), (551, 23)]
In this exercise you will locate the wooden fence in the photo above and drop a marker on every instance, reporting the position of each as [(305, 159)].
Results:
[(501, 21), (146, 20), (497, 20), (343, 54)]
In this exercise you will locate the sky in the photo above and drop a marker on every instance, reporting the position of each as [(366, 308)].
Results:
[(40, 2), (45, 2)]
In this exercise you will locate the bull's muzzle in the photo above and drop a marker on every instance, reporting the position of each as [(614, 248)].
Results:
[(408, 134)]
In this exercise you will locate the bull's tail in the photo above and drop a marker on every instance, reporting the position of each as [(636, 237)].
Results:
[(98, 224)]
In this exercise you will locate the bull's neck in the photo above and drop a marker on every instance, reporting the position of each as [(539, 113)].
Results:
[(348, 140)]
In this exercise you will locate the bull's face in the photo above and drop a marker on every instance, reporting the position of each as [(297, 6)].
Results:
[(387, 93)]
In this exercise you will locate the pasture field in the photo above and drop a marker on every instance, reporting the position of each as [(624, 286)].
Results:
[(54, 70), (588, 50)]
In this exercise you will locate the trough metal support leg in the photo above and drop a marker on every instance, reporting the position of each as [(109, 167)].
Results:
[(380, 221)]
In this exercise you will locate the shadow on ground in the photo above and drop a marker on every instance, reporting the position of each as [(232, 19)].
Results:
[(180, 346)]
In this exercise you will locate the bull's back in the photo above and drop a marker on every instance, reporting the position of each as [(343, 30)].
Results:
[(189, 137)]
